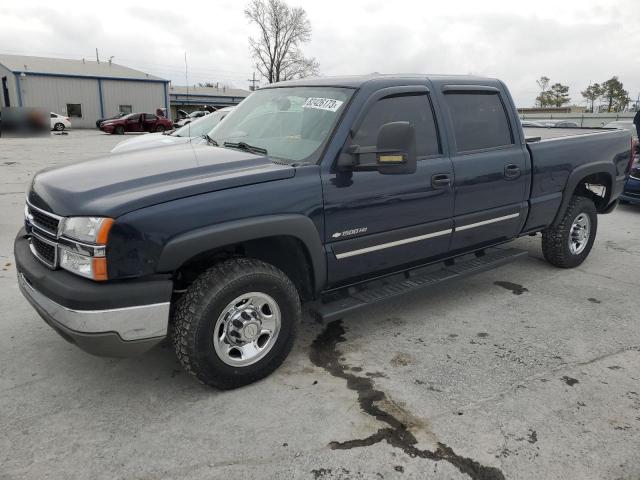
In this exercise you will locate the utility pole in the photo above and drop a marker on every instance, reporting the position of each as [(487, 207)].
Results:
[(97, 57), (253, 82)]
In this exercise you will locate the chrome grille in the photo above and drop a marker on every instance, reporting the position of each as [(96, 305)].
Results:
[(43, 228), (45, 221), (44, 250)]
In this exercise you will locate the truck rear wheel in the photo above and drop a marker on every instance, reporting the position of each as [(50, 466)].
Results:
[(236, 323), (568, 243)]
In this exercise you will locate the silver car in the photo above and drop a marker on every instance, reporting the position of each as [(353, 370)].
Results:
[(192, 132)]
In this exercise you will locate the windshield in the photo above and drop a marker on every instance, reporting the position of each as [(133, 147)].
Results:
[(199, 127), (291, 123), (196, 114)]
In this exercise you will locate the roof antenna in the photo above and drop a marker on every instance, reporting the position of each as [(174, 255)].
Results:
[(97, 57)]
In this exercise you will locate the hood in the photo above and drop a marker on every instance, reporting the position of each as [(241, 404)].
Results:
[(117, 184), (150, 140)]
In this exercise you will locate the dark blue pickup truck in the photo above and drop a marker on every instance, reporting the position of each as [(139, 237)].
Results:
[(333, 193)]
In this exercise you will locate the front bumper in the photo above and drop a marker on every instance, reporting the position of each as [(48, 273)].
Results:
[(108, 319)]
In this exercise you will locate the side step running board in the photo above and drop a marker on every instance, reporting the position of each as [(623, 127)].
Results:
[(336, 305)]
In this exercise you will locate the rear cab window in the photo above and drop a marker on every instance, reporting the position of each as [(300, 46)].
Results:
[(479, 120)]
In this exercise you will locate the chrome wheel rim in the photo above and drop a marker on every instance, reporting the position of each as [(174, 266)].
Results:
[(579, 234), (247, 329)]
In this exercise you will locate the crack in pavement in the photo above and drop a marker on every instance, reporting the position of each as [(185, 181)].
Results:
[(325, 354)]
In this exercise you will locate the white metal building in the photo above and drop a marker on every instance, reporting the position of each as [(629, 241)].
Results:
[(194, 98), (80, 89)]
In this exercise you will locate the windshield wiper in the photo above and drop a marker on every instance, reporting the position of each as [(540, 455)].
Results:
[(246, 147), (210, 140)]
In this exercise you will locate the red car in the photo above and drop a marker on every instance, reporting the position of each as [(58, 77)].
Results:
[(137, 122)]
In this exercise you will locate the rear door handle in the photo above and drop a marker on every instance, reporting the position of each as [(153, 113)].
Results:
[(512, 171), (441, 180)]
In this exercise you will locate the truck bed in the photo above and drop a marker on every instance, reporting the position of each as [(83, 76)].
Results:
[(557, 152), (535, 134)]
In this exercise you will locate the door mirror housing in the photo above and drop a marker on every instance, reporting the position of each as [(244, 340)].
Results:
[(394, 153), (396, 148)]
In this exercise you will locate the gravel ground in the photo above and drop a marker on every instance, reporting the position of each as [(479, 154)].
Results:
[(523, 372)]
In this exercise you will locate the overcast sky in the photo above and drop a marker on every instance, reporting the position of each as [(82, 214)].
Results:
[(571, 41)]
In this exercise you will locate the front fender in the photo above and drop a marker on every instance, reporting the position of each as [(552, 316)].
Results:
[(178, 250)]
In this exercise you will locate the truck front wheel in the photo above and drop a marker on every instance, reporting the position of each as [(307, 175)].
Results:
[(568, 243), (236, 323)]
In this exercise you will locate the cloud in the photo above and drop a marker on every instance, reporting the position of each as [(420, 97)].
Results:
[(572, 42)]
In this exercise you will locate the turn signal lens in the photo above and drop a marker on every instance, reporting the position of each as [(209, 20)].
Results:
[(100, 269), (103, 232)]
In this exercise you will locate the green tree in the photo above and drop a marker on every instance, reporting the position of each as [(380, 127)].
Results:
[(614, 95), (592, 93), (543, 84), (558, 95)]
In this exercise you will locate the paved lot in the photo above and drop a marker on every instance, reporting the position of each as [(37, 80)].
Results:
[(524, 372)]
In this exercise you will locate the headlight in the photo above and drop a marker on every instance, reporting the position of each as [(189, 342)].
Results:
[(94, 268), (87, 229)]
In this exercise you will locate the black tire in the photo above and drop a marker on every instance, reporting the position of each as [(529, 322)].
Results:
[(197, 311), (119, 130), (555, 239), (160, 128), (58, 127)]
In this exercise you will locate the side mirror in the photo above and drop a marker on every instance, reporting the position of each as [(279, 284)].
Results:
[(394, 153), (396, 148)]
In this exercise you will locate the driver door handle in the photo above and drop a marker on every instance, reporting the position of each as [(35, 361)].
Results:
[(441, 180), (511, 171)]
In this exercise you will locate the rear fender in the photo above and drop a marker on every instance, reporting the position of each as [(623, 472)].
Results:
[(577, 176)]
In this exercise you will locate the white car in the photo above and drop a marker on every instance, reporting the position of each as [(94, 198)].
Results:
[(190, 118), (192, 132), (59, 123)]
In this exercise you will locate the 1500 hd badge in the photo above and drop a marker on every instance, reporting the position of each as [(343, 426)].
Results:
[(348, 233)]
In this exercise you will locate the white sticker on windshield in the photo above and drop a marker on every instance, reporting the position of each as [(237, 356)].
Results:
[(323, 104)]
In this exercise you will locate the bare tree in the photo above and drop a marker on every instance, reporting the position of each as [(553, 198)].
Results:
[(218, 85), (282, 29)]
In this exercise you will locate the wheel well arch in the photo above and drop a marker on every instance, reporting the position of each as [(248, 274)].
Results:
[(597, 187), (284, 252), (289, 242), (594, 181)]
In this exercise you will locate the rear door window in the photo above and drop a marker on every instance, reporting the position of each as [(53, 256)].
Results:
[(479, 120)]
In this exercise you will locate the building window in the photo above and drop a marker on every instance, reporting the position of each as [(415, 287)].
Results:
[(126, 109), (74, 110)]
